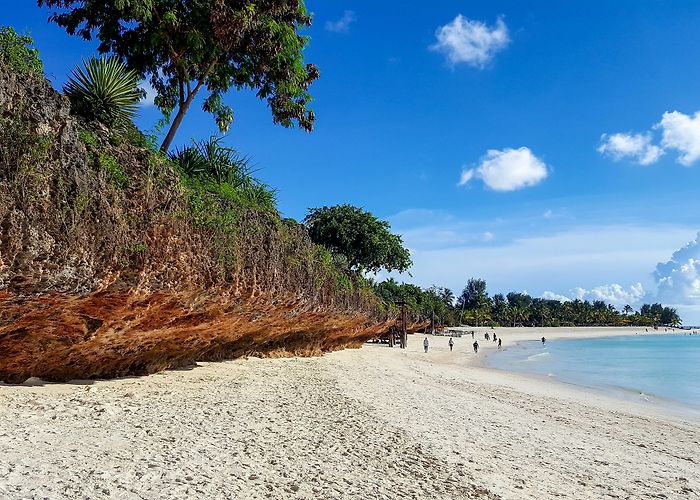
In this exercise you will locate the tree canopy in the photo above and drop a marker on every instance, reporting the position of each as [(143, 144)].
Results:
[(359, 237), (475, 307), (184, 46)]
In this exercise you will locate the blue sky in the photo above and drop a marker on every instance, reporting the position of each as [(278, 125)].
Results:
[(515, 98)]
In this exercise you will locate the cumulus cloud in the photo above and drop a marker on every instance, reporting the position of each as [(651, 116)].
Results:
[(677, 284), (679, 132), (547, 295), (635, 146), (614, 294), (682, 133), (507, 170), (470, 42), (342, 25), (678, 279)]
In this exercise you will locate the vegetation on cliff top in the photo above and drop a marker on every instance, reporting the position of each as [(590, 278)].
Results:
[(215, 183), (18, 52)]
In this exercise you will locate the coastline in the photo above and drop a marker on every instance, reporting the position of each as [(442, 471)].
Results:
[(373, 422), (645, 400)]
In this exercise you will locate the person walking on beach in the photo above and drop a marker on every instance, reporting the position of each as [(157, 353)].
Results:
[(494, 337), (543, 340), (476, 346), (499, 343), (451, 343), (472, 333), (486, 336), (426, 344)]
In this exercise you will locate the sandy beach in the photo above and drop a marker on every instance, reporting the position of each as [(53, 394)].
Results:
[(368, 423)]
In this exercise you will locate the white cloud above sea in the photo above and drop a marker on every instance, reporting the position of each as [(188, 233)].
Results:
[(471, 42), (676, 283), (342, 25), (507, 170), (678, 279), (679, 133), (611, 262)]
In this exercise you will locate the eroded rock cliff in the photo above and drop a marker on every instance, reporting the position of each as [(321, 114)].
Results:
[(105, 270)]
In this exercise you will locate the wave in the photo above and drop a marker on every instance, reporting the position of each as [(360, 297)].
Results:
[(534, 358)]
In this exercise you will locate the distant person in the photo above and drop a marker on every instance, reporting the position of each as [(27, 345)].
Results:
[(472, 333), (476, 346), (494, 337), (543, 340), (499, 343), (451, 343), (486, 336), (426, 344)]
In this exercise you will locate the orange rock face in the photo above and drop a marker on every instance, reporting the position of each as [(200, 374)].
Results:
[(59, 337), (100, 280)]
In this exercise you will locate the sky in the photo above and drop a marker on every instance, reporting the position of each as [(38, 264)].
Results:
[(547, 147)]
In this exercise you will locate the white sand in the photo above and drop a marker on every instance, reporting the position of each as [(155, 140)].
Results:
[(369, 423)]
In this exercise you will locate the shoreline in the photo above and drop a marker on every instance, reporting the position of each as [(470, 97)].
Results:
[(630, 394), (372, 422), (627, 395)]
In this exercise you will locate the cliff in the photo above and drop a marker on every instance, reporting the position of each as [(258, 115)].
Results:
[(110, 265)]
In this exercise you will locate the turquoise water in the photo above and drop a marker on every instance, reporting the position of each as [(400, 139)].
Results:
[(649, 367)]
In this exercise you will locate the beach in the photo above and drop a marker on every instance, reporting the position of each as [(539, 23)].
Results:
[(365, 423)]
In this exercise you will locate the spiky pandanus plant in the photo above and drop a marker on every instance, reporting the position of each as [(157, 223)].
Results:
[(105, 90)]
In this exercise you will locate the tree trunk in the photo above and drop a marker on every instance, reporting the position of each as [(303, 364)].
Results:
[(182, 111), (176, 124)]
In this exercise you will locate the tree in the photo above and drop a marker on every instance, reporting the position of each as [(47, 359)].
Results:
[(363, 240), (184, 46), (473, 295), (669, 317)]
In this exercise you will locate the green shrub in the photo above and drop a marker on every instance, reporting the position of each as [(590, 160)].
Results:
[(223, 171), (87, 138), (104, 90), (17, 52), (114, 171)]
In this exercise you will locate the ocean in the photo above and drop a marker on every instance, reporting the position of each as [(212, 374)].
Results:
[(650, 368)]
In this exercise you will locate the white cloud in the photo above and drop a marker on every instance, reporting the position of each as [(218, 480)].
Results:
[(471, 42), (488, 236), (150, 93), (635, 146), (547, 295), (677, 285), (548, 214), (678, 279), (342, 25), (466, 176), (681, 132), (614, 294), (507, 170), (449, 250)]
